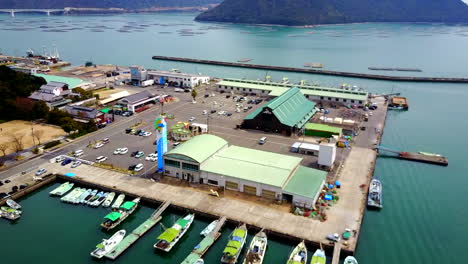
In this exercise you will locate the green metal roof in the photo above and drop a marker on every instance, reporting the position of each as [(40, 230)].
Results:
[(306, 182), (322, 127), (198, 148), (291, 108), (279, 88), (72, 82), (113, 216), (252, 165)]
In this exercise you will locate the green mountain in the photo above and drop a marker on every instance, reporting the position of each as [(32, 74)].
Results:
[(127, 4), (310, 12)]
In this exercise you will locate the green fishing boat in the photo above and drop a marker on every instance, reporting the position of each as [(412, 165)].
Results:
[(115, 218), (234, 247), (170, 237)]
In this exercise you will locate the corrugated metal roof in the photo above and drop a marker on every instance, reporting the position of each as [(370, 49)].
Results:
[(291, 108), (72, 82), (305, 182), (252, 165), (199, 148)]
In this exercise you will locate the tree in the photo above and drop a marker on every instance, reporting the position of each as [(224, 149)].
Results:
[(38, 135), (4, 147), (39, 110), (194, 94), (68, 124), (17, 142)]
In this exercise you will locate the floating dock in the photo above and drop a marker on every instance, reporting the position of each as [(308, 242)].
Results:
[(138, 232), (205, 244), (336, 253), (315, 71), (420, 157)]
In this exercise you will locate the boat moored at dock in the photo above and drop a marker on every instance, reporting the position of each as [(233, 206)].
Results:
[(319, 257), (350, 260), (107, 245), (13, 204), (10, 213), (109, 199), (257, 249), (172, 235), (100, 200), (298, 255), (113, 219), (207, 230), (374, 199), (118, 201), (62, 189), (234, 247), (88, 197)]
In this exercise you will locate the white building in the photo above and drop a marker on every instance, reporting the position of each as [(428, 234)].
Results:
[(134, 101), (327, 155), (178, 79), (208, 159)]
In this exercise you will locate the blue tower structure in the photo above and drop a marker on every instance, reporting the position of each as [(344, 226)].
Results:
[(161, 140)]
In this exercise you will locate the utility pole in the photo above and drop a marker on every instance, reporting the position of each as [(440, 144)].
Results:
[(32, 133)]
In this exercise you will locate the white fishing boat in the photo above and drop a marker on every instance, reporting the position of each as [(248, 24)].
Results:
[(118, 201), (87, 198), (109, 199), (319, 257), (170, 237), (107, 245), (13, 204), (9, 213), (99, 200), (257, 249), (350, 260), (200, 261), (374, 198), (71, 195), (83, 196), (95, 198), (298, 255), (62, 189), (209, 228)]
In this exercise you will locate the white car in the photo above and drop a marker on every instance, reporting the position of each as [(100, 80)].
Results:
[(101, 159), (78, 153), (192, 119), (118, 151), (59, 159), (221, 112), (40, 172), (123, 151), (152, 157), (98, 145), (205, 112), (138, 167), (147, 134), (76, 164)]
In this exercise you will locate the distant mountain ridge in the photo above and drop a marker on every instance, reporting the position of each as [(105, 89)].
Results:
[(126, 4), (310, 12)]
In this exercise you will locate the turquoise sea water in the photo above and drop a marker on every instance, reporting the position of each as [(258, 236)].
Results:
[(424, 218)]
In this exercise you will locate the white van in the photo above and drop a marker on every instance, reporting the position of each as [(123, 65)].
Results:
[(262, 140), (178, 90), (78, 153)]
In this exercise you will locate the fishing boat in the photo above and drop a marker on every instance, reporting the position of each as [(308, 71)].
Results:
[(257, 249), (107, 245), (234, 247), (100, 200), (95, 197), (429, 154), (115, 218), (298, 255), (319, 257), (209, 228), (87, 198), (350, 260), (172, 235), (118, 201), (200, 261), (71, 195), (9, 213), (13, 204), (374, 198), (83, 196), (62, 189), (109, 199)]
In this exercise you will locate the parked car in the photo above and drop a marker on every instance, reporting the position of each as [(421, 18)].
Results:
[(205, 112), (41, 171), (101, 159), (191, 119), (147, 134), (228, 96), (99, 145), (207, 95), (106, 140), (229, 114), (213, 111), (78, 153), (76, 164), (175, 144), (152, 157), (128, 130), (131, 167), (66, 161), (123, 151), (262, 140), (139, 154), (117, 151), (138, 167), (59, 159), (134, 154)]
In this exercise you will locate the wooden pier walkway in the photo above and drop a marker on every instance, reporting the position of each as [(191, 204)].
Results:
[(420, 157), (315, 71), (336, 253), (202, 247), (138, 232)]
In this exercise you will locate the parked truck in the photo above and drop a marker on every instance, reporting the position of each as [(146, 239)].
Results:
[(147, 83)]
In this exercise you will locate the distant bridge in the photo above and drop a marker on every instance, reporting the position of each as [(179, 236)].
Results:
[(46, 11)]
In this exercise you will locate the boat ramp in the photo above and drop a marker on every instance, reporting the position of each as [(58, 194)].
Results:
[(205, 244), (131, 238)]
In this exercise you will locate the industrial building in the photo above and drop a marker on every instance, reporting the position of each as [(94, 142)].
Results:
[(172, 78), (208, 159), (285, 114), (135, 101), (314, 93), (321, 130)]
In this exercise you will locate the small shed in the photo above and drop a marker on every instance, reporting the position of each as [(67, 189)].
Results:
[(321, 130)]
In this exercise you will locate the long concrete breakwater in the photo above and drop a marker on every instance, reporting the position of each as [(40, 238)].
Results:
[(315, 71)]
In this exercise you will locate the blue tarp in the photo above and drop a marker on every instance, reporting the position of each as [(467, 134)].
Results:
[(328, 197), (70, 174), (337, 183)]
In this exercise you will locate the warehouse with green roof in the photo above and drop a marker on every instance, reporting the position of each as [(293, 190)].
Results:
[(208, 159), (285, 114)]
